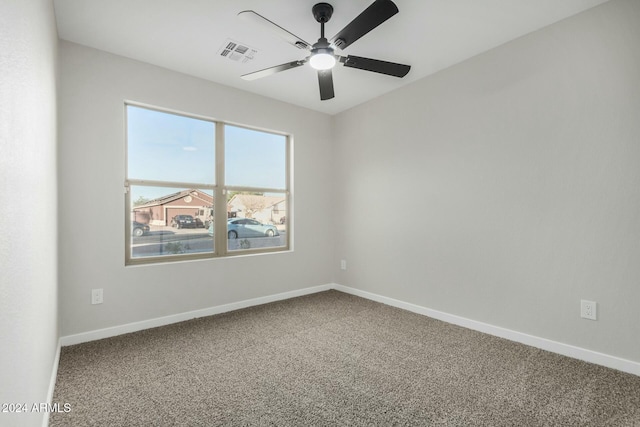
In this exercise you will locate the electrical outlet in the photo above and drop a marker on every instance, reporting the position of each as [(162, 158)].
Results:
[(588, 310), (96, 296), (343, 264)]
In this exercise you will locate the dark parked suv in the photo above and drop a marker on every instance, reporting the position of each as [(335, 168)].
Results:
[(183, 221)]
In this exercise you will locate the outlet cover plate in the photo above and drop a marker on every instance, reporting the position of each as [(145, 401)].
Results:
[(588, 310), (96, 296)]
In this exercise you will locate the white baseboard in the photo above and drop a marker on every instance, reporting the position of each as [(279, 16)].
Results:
[(181, 317), (541, 343), (590, 356), (52, 384)]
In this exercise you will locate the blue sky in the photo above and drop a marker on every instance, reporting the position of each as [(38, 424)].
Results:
[(254, 159), (169, 147)]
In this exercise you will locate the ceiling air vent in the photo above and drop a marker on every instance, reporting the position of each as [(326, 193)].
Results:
[(236, 51)]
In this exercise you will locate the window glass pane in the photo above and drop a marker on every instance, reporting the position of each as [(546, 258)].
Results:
[(168, 147), (254, 159), (256, 220), (170, 221)]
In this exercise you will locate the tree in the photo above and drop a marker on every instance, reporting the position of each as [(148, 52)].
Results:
[(141, 201)]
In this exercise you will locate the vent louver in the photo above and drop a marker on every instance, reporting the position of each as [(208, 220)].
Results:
[(237, 52)]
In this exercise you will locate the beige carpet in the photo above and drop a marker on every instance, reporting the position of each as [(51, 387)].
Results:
[(332, 359)]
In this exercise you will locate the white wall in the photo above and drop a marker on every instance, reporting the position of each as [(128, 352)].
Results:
[(94, 86), (28, 260), (506, 188)]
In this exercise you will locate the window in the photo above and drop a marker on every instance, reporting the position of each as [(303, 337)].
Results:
[(199, 188)]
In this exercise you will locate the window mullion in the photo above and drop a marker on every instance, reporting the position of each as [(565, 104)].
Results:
[(220, 197), (167, 184)]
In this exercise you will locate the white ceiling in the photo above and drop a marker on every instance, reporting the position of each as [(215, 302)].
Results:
[(186, 36)]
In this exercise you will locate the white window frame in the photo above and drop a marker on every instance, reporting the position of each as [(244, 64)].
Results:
[(219, 190)]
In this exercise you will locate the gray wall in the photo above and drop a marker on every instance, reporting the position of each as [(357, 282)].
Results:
[(506, 188), (28, 260), (94, 86)]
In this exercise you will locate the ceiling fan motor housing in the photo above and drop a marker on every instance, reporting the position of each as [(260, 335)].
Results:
[(322, 12)]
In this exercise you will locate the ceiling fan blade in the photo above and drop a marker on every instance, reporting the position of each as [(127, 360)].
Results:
[(325, 78), (251, 16), (375, 65), (272, 70), (378, 12)]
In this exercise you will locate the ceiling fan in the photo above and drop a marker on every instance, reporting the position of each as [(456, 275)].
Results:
[(323, 57)]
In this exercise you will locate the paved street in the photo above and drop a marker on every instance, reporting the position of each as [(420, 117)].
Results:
[(165, 240)]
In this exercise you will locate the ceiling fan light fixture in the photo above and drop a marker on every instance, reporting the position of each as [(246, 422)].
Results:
[(323, 59)]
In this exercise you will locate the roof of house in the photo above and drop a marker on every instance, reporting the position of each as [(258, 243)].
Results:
[(206, 198)]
